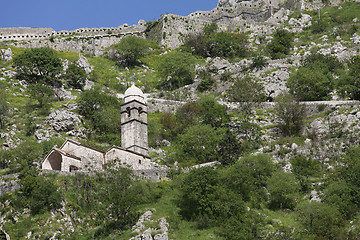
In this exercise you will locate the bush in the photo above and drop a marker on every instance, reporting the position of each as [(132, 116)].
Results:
[(248, 92), (320, 219), (101, 110), (75, 76), (41, 93), (349, 84), (224, 44), (310, 85), (4, 106), (281, 43), (130, 49), (212, 112), (38, 65), (284, 190), (199, 144), (291, 114), (217, 44), (176, 69)]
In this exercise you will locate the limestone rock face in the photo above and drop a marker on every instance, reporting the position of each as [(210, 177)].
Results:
[(63, 121), (227, 3), (64, 94), (83, 63), (146, 234), (355, 39), (6, 54)]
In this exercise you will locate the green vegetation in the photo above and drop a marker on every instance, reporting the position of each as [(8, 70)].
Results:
[(314, 80), (130, 49), (176, 69), (38, 65), (281, 43), (75, 76), (211, 43), (272, 159)]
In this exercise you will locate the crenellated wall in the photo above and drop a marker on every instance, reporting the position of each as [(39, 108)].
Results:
[(23, 34)]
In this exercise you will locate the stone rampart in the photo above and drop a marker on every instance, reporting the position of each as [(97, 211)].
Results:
[(23, 34)]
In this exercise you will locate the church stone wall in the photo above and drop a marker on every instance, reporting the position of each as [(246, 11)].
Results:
[(91, 159), (128, 159)]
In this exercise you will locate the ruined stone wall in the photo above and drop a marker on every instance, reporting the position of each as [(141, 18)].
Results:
[(83, 40), (176, 28)]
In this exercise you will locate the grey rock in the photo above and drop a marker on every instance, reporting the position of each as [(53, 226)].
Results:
[(42, 135), (7, 237), (6, 54), (88, 84), (7, 186), (63, 120), (63, 94), (139, 226), (83, 63), (355, 39)]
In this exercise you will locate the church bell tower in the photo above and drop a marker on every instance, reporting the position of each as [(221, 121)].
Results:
[(134, 133)]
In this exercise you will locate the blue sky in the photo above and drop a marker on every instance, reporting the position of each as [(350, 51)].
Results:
[(73, 14)]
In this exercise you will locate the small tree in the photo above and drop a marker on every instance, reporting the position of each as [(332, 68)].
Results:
[(41, 93), (38, 65), (248, 92), (75, 76), (130, 49), (4, 106), (320, 219), (225, 44), (291, 114), (200, 144), (280, 44), (212, 112), (284, 190), (176, 69), (349, 84)]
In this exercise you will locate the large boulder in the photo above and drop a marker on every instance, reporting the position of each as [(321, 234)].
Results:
[(63, 120), (84, 63), (6, 54)]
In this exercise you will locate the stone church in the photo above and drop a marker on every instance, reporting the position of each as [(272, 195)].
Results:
[(75, 156)]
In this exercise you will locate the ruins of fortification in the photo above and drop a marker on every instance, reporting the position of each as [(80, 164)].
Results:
[(169, 30)]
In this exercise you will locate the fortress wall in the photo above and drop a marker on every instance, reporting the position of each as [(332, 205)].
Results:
[(23, 34)]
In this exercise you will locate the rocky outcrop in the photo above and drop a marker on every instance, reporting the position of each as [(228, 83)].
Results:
[(63, 94), (6, 54), (8, 184), (84, 63), (63, 120), (159, 233)]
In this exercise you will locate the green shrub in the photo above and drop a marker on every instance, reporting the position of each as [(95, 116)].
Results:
[(101, 109), (248, 92), (38, 65), (284, 190), (224, 44), (291, 114), (320, 219), (349, 83), (218, 44), (281, 43), (75, 76), (130, 49), (176, 69)]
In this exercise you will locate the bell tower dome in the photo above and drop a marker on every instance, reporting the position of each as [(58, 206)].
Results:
[(134, 133)]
